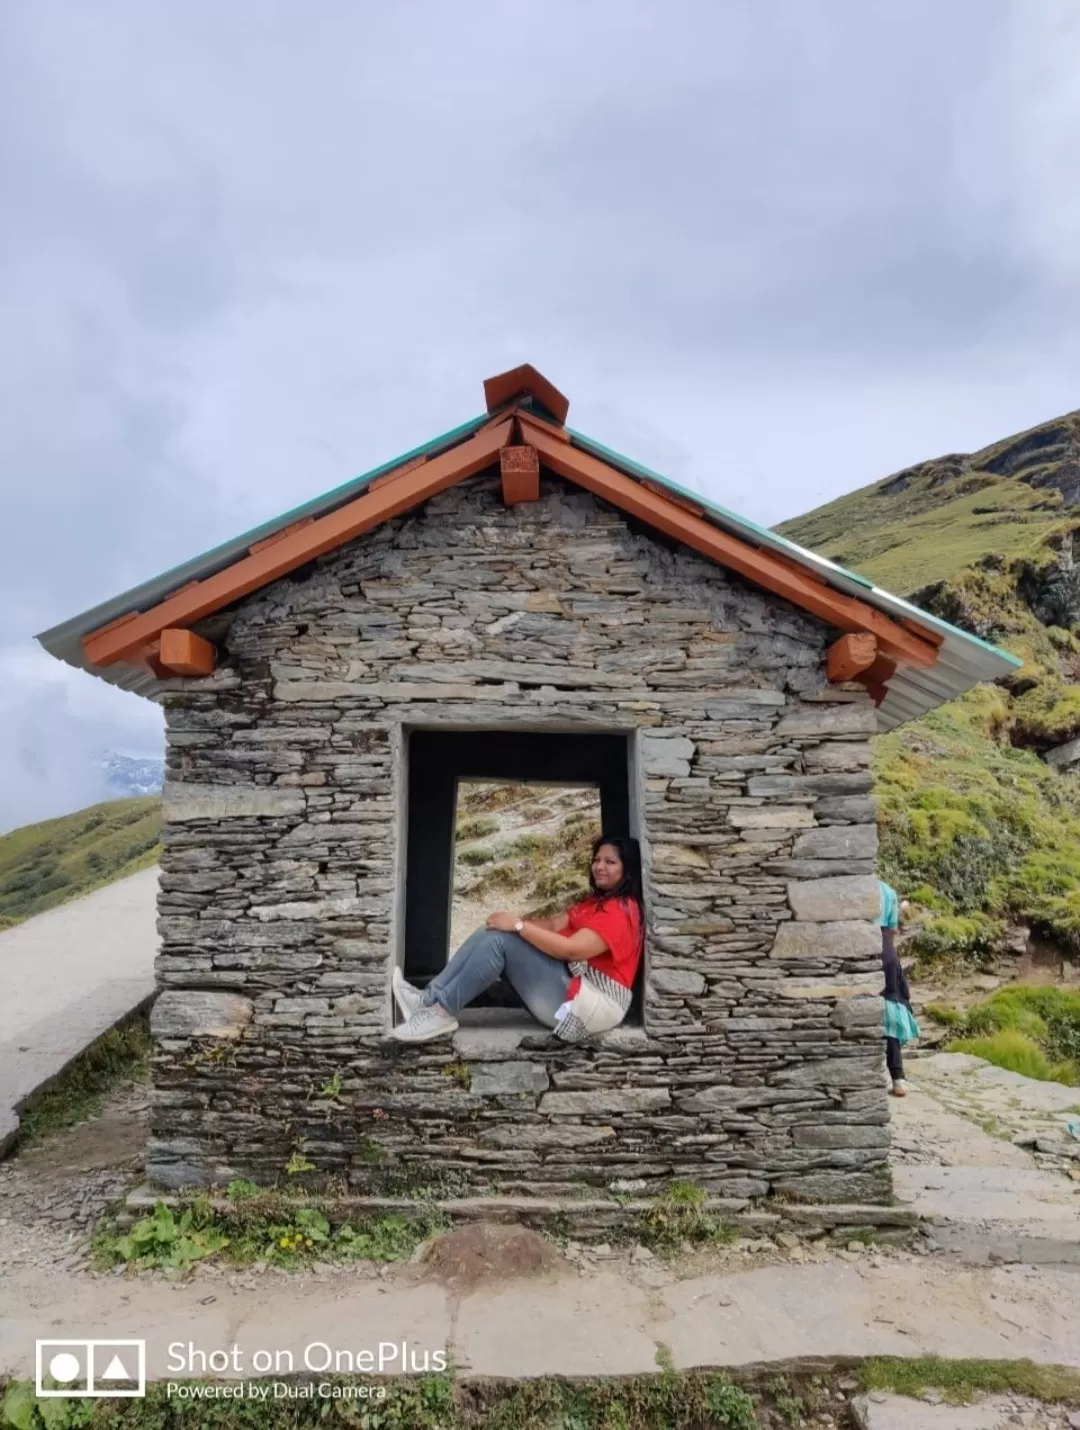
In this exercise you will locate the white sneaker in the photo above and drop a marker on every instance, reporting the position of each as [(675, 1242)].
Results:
[(408, 998), (429, 1021)]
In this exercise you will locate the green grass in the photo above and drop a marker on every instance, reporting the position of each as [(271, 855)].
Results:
[(959, 1381), (1019, 1054), (1029, 1029), (696, 1400), (119, 1056), (976, 831), (943, 516), (43, 865)]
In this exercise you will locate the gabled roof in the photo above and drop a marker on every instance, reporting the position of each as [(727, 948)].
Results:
[(923, 661)]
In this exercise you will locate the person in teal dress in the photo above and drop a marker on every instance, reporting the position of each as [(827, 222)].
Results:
[(899, 1023)]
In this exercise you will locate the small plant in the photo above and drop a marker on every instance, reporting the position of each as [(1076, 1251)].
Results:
[(469, 829), (298, 1164), (22, 1409), (663, 1357), (165, 1240), (679, 1216), (459, 1073), (241, 1190), (275, 1230), (332, 1088), (730, 1405)]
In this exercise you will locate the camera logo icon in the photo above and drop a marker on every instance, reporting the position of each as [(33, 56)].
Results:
[(90, 1369)]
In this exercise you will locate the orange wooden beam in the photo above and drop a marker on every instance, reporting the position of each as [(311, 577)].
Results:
[(880, 673), (877, 691), (525, 381), (847, 658), (120, 639), (758, 566), (520, 468), (258, 546), (184, 653)]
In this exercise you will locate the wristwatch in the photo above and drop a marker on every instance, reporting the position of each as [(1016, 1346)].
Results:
[(519, 925)]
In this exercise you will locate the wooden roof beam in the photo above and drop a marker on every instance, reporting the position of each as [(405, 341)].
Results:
[(185, 653), (850, 656), (325, 533), (756, 565)]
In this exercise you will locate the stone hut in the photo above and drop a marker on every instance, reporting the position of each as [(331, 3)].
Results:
[(516, 601)]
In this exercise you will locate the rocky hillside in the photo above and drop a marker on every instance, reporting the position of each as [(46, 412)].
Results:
[(976, 826)]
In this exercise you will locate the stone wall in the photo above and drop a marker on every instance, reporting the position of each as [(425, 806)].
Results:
[(759, 1066)]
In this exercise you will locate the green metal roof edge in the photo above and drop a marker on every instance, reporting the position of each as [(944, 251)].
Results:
[(918, 613), (157, 587), (774, 538), (629, 465)]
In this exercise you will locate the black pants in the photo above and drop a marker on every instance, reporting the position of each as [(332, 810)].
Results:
[(893, 1061)]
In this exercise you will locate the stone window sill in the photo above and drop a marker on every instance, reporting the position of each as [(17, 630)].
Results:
[(501, 1030)]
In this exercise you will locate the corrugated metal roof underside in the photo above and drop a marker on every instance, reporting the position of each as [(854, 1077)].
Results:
[(963, 660)]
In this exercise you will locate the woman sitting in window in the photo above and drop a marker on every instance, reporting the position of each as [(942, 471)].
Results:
[(575, 973)]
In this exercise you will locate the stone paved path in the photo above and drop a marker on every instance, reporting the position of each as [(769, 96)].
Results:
[(67, 977), (550, 1325), (955, 1159)]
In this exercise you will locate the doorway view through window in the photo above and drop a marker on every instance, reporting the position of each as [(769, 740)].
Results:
[(522, 847)]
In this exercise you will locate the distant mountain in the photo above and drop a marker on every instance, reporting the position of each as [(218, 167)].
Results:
[(129, 776)]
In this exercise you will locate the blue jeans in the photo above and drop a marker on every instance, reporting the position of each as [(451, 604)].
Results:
[(485, 956)]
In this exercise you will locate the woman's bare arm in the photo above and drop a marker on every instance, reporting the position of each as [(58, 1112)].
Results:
[(582, 945), (555, 925)]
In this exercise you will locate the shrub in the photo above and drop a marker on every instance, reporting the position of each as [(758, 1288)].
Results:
[(1018, 1053), (473, 857)]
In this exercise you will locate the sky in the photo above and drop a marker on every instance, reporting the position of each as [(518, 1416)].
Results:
[(250, 250)]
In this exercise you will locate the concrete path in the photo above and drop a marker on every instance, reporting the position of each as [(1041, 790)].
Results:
[(954, 1160), (604, 1322), (68, 976)]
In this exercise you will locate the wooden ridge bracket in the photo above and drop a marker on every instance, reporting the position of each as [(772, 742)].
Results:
[(520, 471)]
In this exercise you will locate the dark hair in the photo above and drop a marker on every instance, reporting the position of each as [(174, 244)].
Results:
[(630, 886)]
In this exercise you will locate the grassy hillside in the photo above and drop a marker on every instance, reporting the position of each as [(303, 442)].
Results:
[(46, 864), (975, 825)]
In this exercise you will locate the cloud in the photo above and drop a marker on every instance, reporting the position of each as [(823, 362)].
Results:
[(251, 250), (55, 722)]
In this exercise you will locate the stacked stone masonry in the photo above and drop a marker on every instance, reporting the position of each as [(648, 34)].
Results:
[(759, 1065)]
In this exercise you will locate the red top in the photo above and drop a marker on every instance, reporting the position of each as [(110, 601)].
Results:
[(618, 922)]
